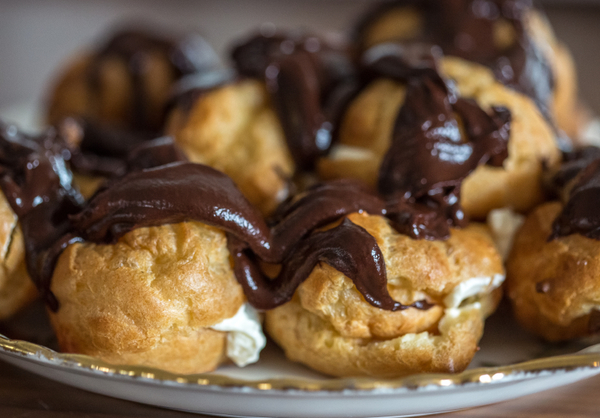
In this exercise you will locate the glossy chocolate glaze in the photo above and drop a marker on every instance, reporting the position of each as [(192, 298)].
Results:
[(438, 140), (186, 55), (310, 82), (37, 184), (348, 248), (580, 214), (469, 29)]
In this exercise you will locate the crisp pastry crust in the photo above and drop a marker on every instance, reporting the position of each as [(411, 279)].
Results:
[(16, 288), (148, 299), (113, 101), (235, 130), (554, 285), (330, 327), (366, 133)]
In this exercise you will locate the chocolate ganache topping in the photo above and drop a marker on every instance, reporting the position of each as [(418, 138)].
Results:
[(310, 80), (490, 32), (186, 55), (438, 140), (580, 214)]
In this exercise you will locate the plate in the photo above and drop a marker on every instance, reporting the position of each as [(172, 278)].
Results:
[(509, 365)]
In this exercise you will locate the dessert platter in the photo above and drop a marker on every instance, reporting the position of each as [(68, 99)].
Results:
[(318, 225)]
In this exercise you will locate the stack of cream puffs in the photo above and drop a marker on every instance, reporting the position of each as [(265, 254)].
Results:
[(339, 187)]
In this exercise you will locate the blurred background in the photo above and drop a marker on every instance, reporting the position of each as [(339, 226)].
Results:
[(37, 36)]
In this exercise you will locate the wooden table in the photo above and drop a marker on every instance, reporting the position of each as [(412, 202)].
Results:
[(23, 394)]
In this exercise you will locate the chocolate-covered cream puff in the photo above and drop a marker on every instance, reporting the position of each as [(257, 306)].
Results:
[(512, 38), (126, 82), (418, 95), (128, 279), (554, 267), (234, 129), (271, 120), (444, 280)]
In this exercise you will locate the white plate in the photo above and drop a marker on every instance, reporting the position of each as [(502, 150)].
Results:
[(275, 387)]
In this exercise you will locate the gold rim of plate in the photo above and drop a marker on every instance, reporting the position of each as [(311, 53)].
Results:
[(482, 375)]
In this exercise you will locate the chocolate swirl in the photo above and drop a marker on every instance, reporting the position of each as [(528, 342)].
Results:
[(310, 82), (186, 55), (470, 29), (580, 214), (438, 140)]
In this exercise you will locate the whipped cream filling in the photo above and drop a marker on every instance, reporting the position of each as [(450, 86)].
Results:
[(245, 338), (504, 224), (472, 287)]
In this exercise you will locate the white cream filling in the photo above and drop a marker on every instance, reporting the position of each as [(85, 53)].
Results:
[(504, 224), (245, 338), (472, 287)]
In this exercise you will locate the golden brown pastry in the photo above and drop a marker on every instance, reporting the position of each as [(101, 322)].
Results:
[(367, 129), (554, 267), (152, 299), (513, 38), (330, 327), (129, 280), (234, 129)]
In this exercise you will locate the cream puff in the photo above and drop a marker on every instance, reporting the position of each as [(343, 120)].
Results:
[(396, 288), (141, 274), (554, 267), (329, 326), (510, 37), (374, 121), (272, 120), (126, 81), (234, 129)]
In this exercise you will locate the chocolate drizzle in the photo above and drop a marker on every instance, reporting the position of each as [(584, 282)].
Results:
[(37, 185), (470, 29), (580, 214), (348, 248), (310, 82), (133, 47), (438, 140)]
